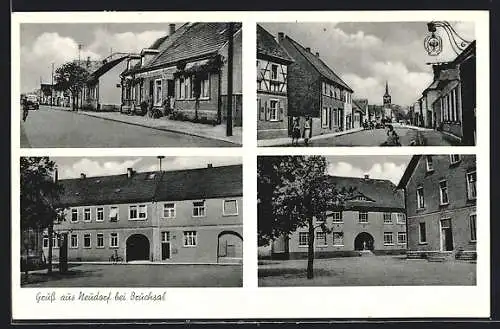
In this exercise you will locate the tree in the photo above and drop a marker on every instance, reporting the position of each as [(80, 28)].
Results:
[(292, 192), (71, 77), (39, 197)]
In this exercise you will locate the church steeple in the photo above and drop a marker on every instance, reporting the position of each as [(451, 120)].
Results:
[(386, 89), (387, 96)]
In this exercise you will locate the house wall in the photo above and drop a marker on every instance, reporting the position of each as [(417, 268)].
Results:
[(268, 128), (429, 98), (109, 93), (334, 106), (458, 209)]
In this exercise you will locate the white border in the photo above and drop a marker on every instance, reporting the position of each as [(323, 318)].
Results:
[(250, 301)]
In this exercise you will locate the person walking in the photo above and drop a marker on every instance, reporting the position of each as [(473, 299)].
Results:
[(295, 132), (392, 137), (307, 131)]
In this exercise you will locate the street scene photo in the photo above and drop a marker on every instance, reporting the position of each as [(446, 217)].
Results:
[(131, 85), (393, 220), (366, 84), (131, 222)]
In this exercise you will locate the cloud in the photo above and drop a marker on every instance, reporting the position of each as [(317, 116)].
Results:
[(386, 170), (104, 42), (96, 168)]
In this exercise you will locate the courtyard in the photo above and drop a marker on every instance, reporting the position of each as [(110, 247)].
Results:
[(138, 275), (366, 271)]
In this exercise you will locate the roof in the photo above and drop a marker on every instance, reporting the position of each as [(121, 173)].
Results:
[(175, 185), (358, 106), (267, 46), (203, 183), (408, 171), (318, 64), (105, 68), (198, 40), (382, 192)]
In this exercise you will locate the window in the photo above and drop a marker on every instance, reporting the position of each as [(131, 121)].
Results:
[(443, 192), (324, 117), (472, 226), (230, 208), (428, 163), (158, 93), (143, 211), (169, 210), (137, 212), (189, 238), (303, 239), (420, 198), (113, 240), (422, 234), (86, 240), (100, 215), (337, 217), (182, 88), (388, 239), (165, 236), (73, 241), (86, 215), (387, 218), (113, 213), (321, 239), (273, 110), (199, 208), (471, 185), (45, 241), (74, 215), (400, 218), (274, 72), (100, 240), (363, 217), (401, 237), (454, 158), (205, 88), (338, 238)]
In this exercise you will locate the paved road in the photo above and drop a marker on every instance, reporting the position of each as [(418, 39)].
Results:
[(57, 128), (376, 137)]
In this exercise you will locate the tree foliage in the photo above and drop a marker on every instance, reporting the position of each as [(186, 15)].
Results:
[(71, 77), (296, 192)]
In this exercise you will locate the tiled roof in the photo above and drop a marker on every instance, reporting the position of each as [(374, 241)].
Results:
[(382, 192), (318, 64), (267, 45), (408, 171), (203, 183), (186, 184), (199, 39), (105, 68)]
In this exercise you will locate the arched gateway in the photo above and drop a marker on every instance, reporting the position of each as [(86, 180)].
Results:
[(137, 247), (363, 241), (229, 245)]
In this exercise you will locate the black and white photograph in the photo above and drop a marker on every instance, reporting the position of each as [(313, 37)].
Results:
[(366, 84), (164, 221), (395, 220), (131, 85)]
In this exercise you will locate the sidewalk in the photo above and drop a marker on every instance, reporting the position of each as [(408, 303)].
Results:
[(288, 140), (182, 127)]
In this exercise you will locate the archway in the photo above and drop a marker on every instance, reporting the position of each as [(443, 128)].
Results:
[(229, 245), (363, 241), (137, 247)]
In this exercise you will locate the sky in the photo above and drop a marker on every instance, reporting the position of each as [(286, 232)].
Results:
[(72, 167), (366, 55), (389, 167), (43, 44)]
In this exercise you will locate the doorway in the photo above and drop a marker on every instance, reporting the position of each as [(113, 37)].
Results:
[(446, 235), (165, 245), (363, 241), (137, 247), (230, 245)]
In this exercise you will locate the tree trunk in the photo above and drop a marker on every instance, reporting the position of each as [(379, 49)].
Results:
[(310, 250), (49, 261)]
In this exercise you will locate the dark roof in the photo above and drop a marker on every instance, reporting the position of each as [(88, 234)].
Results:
[(357, 108), (318, 64), (104, 68), (383, 192), (408, 171), (198, 40), (203, 183), (175, 185), (267, 45)]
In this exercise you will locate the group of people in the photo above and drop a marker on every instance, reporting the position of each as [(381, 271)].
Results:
[(296, 131)]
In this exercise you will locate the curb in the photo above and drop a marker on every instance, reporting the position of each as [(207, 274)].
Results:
[(318, 137), (157, 128)]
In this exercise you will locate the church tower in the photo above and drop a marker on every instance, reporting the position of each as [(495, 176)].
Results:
[(387, 102)]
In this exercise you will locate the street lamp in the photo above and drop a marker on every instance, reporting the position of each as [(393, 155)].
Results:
[(433, 43)]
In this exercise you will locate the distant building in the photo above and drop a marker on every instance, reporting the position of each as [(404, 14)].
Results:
[(372, 220), (387, 101), (440, 193), (362, 105), (272, 99)]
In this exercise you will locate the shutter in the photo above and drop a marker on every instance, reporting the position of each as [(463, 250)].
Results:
[(259, 108), (266, 111), (280, 113)]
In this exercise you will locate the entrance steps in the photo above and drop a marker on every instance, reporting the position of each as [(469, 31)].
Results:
[(366, 253), (466, 255), (440, 256)]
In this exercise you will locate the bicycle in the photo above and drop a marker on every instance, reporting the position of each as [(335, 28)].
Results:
[(115, 258)]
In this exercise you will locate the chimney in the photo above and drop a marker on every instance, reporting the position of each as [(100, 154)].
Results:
[(82, 176), (209, 165), (367, 176), (281, 36), (308, 49), (171, 29), (317, 54), (130, 172)]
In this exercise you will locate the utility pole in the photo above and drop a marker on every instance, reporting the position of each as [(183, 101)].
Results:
[(229, 116), (160, 157), (52, 86)]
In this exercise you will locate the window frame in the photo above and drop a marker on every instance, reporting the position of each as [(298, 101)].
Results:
[(202, 89), (101, 211), (457, 161), (420, 206), (391, 234), (117, 213), (111, 240), (324, 117), (473, 237), (73, 211), (324, 238), (401, 234), (340, 215), (468, 184), (85, 214), (274, 110), (97, 240), (359, 217), (400, 215), (173, 209), (194, 237), (341, 236), (443, 193), (420, 226), (302, 234), (90, 240), (198, 207), (224, 208), (167, 234), (429, 165), (390, 218), (157, 100), (71, 246)]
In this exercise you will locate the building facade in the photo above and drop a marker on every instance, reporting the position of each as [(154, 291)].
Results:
[(272, 91), (184, 216), (315, 90), (372, 220), (440, 193)]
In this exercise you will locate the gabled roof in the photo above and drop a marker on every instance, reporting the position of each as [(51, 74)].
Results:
[(198, 40), (104, 68), (408, 171), (356, 107), (267, 46), (202, 183), (383, 192), (318, 64), (362, 103)]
